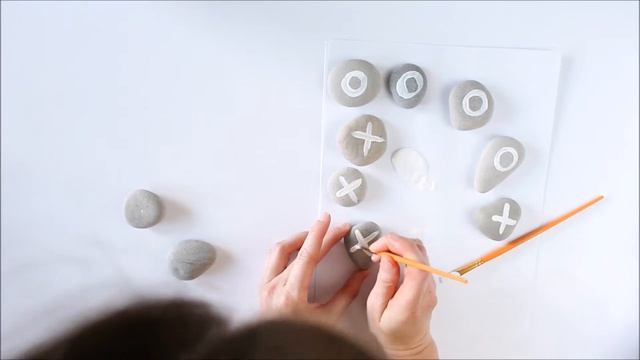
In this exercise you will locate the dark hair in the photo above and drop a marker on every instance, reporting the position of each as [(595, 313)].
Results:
[(178, 329)]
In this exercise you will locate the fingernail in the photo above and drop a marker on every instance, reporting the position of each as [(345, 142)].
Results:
[(346, 226), (375, 257), (324, 217)]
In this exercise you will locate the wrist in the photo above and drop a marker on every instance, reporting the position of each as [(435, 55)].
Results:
[(423, 348)]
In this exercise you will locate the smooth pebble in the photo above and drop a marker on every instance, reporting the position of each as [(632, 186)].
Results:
[(191, 258), (354, 82), (470, 105), (407, 85), (498, 219), (347, 187), (361, 236), (413, 168), (363, 140), (143, 209), (499, 159)]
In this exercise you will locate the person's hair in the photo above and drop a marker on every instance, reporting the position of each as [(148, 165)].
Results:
[(177, 329)]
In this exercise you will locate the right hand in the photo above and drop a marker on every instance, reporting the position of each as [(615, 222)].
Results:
[(399, 314)]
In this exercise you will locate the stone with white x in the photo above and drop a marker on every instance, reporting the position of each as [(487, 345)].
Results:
[(363, 140), (347, 187), (498, 219), (358, 240)]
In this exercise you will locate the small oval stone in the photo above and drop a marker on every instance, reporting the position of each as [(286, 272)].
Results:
[(470, 105), (191, 258), (407, 85), (499, 159), (143, 209), (412, 167), (347, 187), (361, 237), (363, 140), (354, 82), (498, 219)]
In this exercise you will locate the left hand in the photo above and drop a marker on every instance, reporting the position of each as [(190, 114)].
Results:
[(285, 288)]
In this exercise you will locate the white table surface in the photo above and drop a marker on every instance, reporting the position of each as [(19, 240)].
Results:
[(216, 107)]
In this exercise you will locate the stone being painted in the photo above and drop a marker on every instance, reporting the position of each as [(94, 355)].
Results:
[(498, 219), (143, 209), (347, 187), (363, 140), (407, 85), (470, 105), (354, 82), (412, 167), (191, 258), (501, 157), (361, 237)]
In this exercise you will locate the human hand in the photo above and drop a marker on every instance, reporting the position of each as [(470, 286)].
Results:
[(399, 314), (285, 287)]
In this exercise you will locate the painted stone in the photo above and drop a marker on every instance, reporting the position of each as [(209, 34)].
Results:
[(354, 82), (498, 219), (191, 258), (407, 85), (143, 209), (347, 187), (361, 237), (363, 140), (501, 157), (470, 105), (413, 168)]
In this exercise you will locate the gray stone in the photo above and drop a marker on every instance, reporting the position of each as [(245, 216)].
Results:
[(407, 85), (470, 105), (361, 236), (363, 140), (498, 219), (347, 187), (501, 157), (354, 82), (143, 209), (191, 258)]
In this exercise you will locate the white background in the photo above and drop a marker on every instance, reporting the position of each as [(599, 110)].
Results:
[(217, 106)]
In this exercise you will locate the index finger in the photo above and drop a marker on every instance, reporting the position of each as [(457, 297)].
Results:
[(399, 245), (308, 257)]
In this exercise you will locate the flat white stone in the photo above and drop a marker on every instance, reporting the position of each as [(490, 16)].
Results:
[(412, 167), (499, 159)]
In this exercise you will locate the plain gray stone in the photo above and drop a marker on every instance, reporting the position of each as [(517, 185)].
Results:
[(470, 105), (407, 85), (347, 187), (191, 258), (143, 209), (498, 219), (354, 82), (361, 236), (363, 140), (500, 158)]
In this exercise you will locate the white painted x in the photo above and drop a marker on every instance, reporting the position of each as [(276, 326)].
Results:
[(348, 188), (368, 138), (504, 220), (363, 242)]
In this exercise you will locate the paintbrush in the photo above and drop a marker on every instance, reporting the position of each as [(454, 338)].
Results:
[(524, 238)]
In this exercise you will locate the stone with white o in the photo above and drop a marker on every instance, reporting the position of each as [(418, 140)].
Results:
[(470, 105), (143, 209), (191, 258), (347, 187), (363, 140), (498, 219), (354, 82), (407, 85), (499, 159), (358, 240)]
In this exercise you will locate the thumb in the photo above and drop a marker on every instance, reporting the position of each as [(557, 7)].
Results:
[(384, 288)]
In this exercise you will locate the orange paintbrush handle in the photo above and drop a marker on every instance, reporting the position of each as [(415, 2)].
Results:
[(424, 267), (528, 236)]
